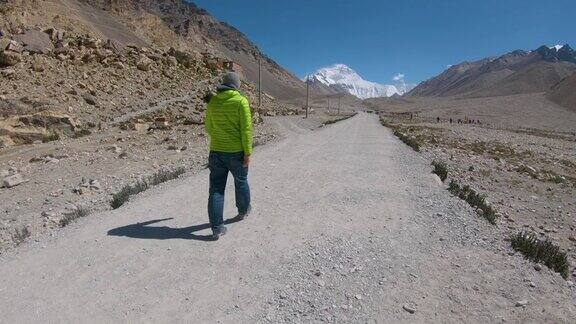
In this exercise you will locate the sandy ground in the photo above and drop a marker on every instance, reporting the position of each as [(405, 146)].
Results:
[(348, 225), (523, 111)]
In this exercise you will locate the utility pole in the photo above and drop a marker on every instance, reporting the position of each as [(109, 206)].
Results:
[(259, 82), (307, 94)]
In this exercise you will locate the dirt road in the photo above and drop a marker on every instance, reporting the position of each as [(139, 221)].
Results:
[(348, 225)]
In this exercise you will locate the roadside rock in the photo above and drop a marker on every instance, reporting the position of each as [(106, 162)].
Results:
[(38, 64), (8, 58), (410, 309), (35, 41), (6, 141), (13, 180), (521, 303), (90, 99), (144, 63)]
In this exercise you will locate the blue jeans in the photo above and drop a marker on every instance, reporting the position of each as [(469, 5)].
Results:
[(219, 164)]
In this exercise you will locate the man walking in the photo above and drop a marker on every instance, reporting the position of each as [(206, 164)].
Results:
[(229, 126)]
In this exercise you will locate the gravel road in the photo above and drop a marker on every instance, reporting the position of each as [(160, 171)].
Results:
[(348, 225)]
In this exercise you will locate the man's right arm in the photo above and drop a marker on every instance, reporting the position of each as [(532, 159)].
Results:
[(246, 130)]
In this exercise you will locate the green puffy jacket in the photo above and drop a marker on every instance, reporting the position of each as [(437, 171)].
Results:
[(229, 123)]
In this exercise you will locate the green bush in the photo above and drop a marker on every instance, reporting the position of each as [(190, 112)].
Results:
[(72, 216), (20, 235), (122, 196), (474, 199), (440, 169), (82, 132), (334, 121), (408, 140), (50, 137), (544, 252)]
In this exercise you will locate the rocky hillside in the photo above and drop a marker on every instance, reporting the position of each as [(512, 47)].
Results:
[(173, 23), (204, 33), (71, 68), (513, 73), (564, 93)]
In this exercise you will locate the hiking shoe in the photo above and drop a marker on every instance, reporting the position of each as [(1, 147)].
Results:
[(242, 216), (219, 232)]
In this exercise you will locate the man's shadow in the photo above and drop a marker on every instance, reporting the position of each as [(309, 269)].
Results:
[(144, 231)]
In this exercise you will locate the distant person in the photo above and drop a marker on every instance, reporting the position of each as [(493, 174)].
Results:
[(450, 120), (229, 126), (437, 119)]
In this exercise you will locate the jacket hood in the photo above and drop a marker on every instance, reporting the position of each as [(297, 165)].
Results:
[(226, 94)]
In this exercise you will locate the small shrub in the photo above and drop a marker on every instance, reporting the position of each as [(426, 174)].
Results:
[(165, 175), (122, 196), (72, 216), (50, 137), (334, 121), (544, 252), (410, 141), (20, 235), (82, 132), (474, 199), (440, 169), (386, 123)]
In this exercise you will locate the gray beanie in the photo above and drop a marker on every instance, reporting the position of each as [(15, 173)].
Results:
[(230, 81)]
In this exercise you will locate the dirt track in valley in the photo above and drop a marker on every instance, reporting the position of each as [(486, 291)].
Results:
[(348, 224)]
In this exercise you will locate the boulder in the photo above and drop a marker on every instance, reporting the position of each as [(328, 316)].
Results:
[(21, 134), (9, 58), (194, 120), (144, 63), (6, 141), (38, 64), (29, 129), (7, 72), (256, 118), (161, 123), (141, 127), (4, 43), (35, 41), (117, 64), (186, 59), (171, 60), (114, 46), (92, 42), (90, 99), (14, 47), (13, 180), (55, 34)]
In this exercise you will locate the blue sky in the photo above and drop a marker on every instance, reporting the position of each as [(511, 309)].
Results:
[(379, 39)]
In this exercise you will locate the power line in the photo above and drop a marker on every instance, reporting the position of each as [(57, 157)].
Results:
[(307, 94), (259, 82)]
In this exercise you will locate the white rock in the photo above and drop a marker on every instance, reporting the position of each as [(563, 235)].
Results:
[(522, 303), (13, 180)]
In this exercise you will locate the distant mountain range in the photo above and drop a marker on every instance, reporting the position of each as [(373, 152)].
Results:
[(513, 73), (339, 78)]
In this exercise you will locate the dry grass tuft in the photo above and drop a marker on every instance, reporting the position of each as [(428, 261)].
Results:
[(542, 251)]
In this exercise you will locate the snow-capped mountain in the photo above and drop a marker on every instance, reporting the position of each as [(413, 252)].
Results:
[(342, 78)]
